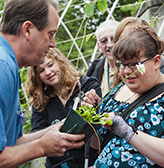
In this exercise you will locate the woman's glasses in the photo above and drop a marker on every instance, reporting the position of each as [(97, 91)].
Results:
[(131, 65)]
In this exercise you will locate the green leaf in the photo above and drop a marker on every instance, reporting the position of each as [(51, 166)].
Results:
[(88, 37), (109, 122), (89, 9), (106, 115), (89, 114), (152, 23), (102, 5), (156, 18)]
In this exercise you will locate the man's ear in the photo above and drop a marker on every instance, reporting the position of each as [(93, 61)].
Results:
[(26, 29), (100, 49), (157, 61)]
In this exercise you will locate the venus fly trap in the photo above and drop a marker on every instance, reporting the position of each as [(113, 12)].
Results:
[(89, 113)]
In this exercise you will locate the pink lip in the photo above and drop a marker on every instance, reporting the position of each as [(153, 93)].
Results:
[(131, 80), (51, 77)]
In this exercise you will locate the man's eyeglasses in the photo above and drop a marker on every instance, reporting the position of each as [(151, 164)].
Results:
[(131, 65)]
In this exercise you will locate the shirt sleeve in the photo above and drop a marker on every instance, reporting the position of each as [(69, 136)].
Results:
[(92, 83), (38, 120)]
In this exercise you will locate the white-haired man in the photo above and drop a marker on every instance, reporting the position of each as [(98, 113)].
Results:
[(103, 69)]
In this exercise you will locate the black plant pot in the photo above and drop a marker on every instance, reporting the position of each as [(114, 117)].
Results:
[(75, 124)]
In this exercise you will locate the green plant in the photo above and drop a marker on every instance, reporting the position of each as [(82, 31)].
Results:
[(155, 18), (132, 8), (27, 126), (101, 6), (89, 114)]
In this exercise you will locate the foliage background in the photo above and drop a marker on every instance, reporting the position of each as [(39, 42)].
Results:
[(74, 20)]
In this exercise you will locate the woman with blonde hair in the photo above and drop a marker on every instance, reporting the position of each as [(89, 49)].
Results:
[(52, 88), (126, 26)]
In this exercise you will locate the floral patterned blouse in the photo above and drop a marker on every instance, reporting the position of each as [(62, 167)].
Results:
[(118, 152)]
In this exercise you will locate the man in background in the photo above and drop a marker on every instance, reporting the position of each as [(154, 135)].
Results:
[(104, 68)]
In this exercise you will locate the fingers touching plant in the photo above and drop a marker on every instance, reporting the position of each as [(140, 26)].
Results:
[(89, 113)]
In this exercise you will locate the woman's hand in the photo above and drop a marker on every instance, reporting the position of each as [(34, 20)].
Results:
[(91, 98), (111, 116), (119, 126)]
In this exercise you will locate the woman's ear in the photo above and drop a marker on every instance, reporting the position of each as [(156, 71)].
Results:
[(157, 61)]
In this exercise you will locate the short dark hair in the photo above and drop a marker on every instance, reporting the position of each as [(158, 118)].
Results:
[(16, 12)]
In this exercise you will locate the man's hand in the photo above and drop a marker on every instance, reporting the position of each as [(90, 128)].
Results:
[(54, 143)]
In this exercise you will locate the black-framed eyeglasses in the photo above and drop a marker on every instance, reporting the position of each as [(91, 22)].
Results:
[(131, 65)]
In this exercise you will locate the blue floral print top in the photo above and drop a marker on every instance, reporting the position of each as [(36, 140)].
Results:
[(118, 152)]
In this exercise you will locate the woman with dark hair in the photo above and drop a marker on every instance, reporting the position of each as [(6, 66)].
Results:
[(137, 139)]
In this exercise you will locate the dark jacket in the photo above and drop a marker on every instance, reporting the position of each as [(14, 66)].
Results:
[(55, 111), (96, 69)]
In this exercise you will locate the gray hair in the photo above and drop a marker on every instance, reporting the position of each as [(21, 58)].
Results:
[(112, 22)]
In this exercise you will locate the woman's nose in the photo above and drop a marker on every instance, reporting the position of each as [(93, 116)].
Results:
[(127, 69), (47, 70)]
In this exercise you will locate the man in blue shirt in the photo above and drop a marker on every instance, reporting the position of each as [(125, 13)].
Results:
[(27, 30)]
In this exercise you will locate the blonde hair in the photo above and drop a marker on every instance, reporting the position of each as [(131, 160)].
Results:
[(39, 93), (130, 21)]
